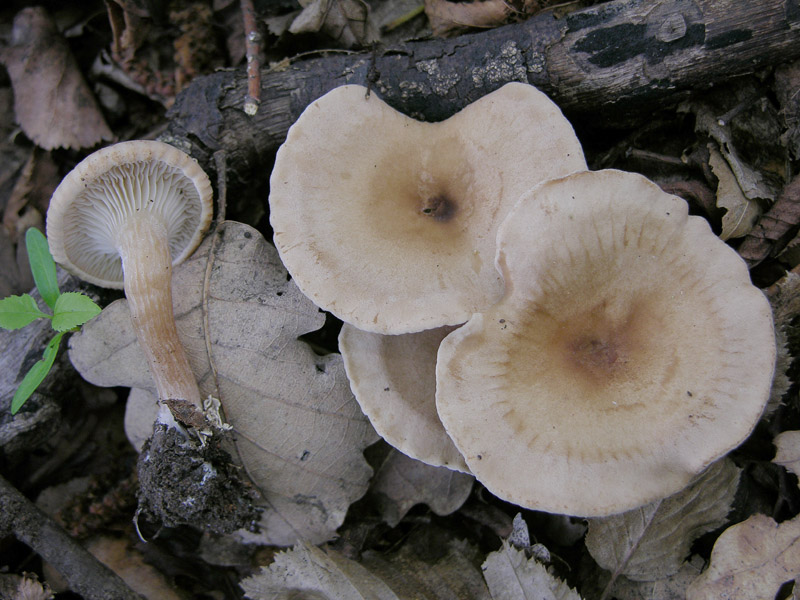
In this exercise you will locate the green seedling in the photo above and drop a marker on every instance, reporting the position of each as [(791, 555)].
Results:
[(70, 311)]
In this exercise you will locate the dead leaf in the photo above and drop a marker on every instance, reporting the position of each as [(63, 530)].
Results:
[(401, 482), (511, 575), (784, 297), (15, 277), (788, 454), (773, 225), (52, 102), (26, 587), (750, 181), (672, 588), (787, 84), (447, 17), (652, 542), (309, 572), (32, 190), (127, 562), (299, 432), (394, 380), (750, 561), (141, 411), (346, 21), (741, 213)]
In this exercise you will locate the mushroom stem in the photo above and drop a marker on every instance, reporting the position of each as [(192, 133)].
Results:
[(147, 267)]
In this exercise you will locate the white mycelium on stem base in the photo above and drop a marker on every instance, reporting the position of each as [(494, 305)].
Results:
[(122, 218)]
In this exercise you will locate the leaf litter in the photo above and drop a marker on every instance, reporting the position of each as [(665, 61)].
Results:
[(52, 102), (673, 586), (297, 430)]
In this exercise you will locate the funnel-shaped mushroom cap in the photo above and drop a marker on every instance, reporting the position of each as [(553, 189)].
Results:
[(92, 202), (390, 223), (393, 378), (629, 351)]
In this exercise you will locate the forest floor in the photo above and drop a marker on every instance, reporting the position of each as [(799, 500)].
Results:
[(81, 75)]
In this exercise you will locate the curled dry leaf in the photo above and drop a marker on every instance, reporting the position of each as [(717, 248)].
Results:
[(788, 454), (298, 431), (652, 542), (447, 17), (346, 21), (787, 82), (784, 297), (751, 182), (511, 575), (15, 278), (671, 588), (310, 572), (773, 225), (752, 559), (52, 102), (741, 212), (401, 482)]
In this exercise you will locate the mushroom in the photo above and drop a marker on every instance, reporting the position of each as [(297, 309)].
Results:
[(629, 352), (393, 378), (121, 218), (389, 223)]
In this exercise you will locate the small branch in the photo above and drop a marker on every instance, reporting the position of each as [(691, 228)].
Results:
[(84, 573), (612, 64), (252, 45)]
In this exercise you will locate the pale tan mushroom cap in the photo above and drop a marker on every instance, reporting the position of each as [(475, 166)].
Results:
[(393, 378), (91, 202), (390, 223), (629, 352)]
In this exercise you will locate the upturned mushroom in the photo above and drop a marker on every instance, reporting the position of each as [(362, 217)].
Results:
[(121, 218), (389, 223), (629, 351), (393, 378)]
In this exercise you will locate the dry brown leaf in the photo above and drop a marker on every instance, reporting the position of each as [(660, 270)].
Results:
[(447, 18), (53, 104), (32, 190), (346, 21), (672, 588), (511, 575), (741, 213), (308, 572), (401, 482), (652, 542), (784, 297), (750, 561), (127, 562), (299, 432), (785, 300), (788, 454), (15, 277), (773, 225), (787, 82)]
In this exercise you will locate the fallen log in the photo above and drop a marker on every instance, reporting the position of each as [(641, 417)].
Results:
[(608, 65)]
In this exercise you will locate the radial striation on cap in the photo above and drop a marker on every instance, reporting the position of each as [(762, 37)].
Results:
[(629, 352)]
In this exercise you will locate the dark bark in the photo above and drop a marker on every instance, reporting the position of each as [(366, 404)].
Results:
[(605, 65), (82, 571)]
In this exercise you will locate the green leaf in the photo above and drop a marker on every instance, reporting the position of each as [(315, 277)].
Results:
[(43, 267), (19, 311), (73, 310), (36, 375)]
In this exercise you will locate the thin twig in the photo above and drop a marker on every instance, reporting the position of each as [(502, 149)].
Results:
[(84, 573), (252, 45)]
